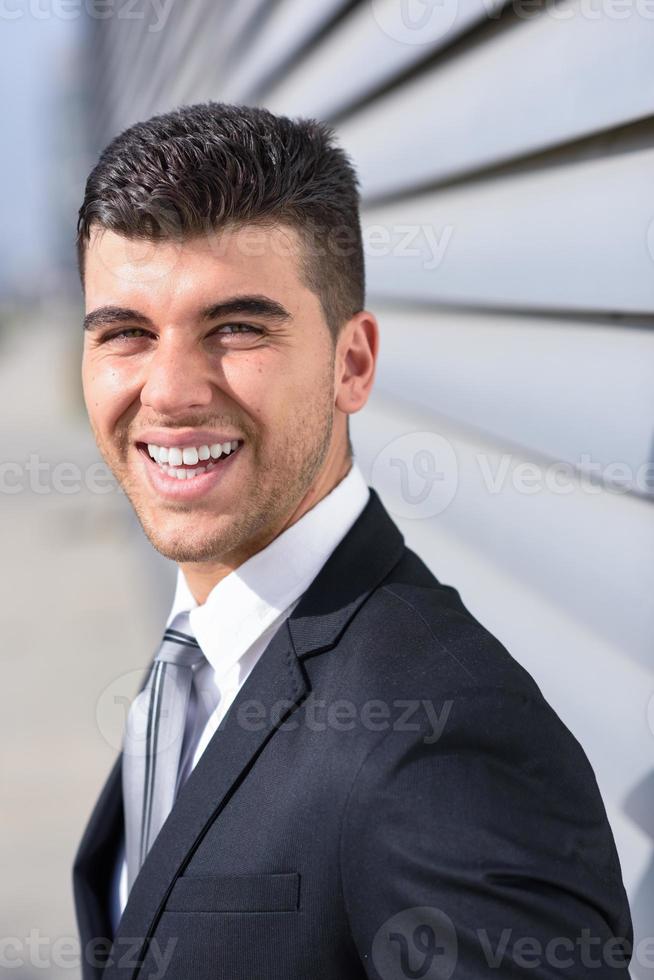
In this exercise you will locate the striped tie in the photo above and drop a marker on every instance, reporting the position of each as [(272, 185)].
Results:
[(153, 740)]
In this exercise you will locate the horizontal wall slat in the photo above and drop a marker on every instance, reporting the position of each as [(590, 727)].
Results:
[(587, 554), (559, 388), (166, 48), (216, 49), (365, 50), (291, 24), (576, 77), (577, 237)]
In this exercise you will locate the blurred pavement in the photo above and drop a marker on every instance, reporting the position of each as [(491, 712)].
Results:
[(84, 598)]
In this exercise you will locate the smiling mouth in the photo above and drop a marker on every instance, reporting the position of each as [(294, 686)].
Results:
[(196, 466)]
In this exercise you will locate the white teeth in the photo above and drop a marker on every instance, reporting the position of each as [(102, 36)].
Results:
[(186, 474), (189, 456)]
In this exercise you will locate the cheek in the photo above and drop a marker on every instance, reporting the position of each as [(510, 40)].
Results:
[(282, 396), (267, 387), (107, 393)]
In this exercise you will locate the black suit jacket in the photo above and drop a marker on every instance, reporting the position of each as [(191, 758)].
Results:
[(389, 796)]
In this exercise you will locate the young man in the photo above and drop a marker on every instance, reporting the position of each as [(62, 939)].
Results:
[(332, 770)]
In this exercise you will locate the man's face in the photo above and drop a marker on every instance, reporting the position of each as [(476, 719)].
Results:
[(162, 368)]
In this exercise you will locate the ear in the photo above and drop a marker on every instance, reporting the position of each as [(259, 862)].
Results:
[(357, 348)]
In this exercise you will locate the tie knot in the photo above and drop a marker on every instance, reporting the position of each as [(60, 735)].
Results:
[(180, 648)]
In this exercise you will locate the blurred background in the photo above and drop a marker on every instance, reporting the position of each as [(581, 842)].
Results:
[(506, 155)]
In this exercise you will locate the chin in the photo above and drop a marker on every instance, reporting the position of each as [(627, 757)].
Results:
[(183, 552), (180, 540)]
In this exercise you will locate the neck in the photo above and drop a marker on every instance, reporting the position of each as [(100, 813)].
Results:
[(202, 577)]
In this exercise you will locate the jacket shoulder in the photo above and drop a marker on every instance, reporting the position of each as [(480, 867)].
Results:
[(415, 626)]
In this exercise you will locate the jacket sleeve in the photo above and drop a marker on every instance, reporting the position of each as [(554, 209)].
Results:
[(483, 851)]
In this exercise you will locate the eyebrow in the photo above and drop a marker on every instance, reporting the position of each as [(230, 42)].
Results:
[(255, 305)]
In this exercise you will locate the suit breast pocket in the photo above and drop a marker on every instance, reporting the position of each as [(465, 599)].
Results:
[(236, 893)]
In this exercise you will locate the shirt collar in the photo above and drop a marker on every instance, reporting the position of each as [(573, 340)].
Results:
[(249, 600)]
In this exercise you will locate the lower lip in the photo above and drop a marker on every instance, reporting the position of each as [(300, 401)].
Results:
[(189, 489)]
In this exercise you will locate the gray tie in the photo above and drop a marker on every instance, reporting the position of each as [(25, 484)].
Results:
[(155, 730)]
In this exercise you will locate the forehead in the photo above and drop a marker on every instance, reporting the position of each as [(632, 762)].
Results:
[(232, 259)]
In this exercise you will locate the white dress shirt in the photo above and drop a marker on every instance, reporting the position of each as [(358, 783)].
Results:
[(241, 615)]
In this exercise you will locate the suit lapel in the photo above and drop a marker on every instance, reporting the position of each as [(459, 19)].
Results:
[(277, 676), (364, 556)]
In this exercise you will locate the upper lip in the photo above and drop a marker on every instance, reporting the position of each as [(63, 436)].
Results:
[(170, 438)]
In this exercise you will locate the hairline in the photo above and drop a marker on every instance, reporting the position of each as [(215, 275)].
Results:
[(304, 262)]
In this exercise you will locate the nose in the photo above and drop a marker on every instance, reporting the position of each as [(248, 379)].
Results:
[(176, 379)]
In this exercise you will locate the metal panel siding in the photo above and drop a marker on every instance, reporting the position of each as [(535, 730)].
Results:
[(368, 48), (290, 26), (572, 237), (587, 550), (492, 374), (597, 74)]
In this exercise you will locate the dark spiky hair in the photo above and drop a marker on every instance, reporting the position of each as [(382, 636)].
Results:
[(203, 167)]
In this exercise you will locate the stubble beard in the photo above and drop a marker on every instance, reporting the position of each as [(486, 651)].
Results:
[(280, 483)]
